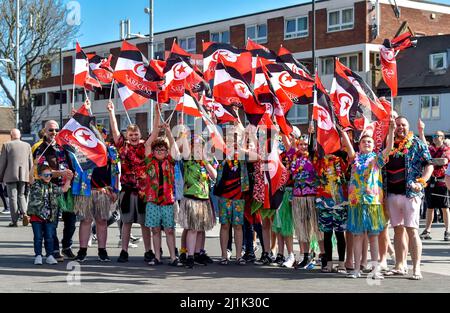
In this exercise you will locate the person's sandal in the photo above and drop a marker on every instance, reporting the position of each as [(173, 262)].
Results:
[(241, 261), (223, 261), (416, 276), (155, 262), (175, 262)]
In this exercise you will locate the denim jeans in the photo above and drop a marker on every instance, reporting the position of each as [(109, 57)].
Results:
[(43, 230), (248, 236), (70, 220)]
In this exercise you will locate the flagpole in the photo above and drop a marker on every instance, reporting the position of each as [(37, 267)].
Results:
[(87, 98), (111, 91), (73, 94)]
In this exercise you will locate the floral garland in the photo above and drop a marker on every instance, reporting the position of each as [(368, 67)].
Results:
[(363, 160), (233, 164), (296, 166), (326, 166), (203, 172), (403, 146)]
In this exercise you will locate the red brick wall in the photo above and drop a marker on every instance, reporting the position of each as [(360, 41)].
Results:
[(237, 35), (418, 21)]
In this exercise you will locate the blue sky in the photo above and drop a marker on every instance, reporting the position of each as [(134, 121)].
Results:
[(100, 18)]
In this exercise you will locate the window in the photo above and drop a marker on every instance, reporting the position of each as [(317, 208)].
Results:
[(296, 27), (188, 44), (55, 68), (223, 37), (340, 19), (104, 121), (351, 61), (257, 33), (438, 61), (124, 121), (298, 114), (398, 105), (429, 107), (158, 51)]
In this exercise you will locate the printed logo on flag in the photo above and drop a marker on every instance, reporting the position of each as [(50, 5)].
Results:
[(85, 137)]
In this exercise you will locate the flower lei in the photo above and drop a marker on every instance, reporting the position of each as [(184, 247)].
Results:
[(325, 169), (297, 167), (362, 161), (203, 172), (403, 146), (233, 164)]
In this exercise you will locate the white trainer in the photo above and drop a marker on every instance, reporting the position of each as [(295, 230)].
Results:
[(289, 263), (51, 260), (38, 260)]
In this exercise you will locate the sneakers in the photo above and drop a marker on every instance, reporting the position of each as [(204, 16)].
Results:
[(68, 253), (249, 257), (279, 260), (206, 257), (289, 263), (189, 263), (446, 236), (425, 235), (51, 260), (354, 274), (264, 260), (103, 256), (25, 220), (12, 225), (5, 211), (183, 258), (198, 259), (38, 260), (81, 257), (58, 257), (123, 257), (148, 256)]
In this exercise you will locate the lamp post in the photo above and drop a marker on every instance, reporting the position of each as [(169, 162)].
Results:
[(60, 88), (149, 11), (17, 63)]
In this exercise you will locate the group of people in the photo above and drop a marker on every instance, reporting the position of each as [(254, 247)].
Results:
[(353, 194)]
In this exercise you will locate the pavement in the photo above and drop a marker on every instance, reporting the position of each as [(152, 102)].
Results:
[(18, 274)]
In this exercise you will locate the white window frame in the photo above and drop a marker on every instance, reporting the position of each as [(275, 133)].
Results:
[(221, 36), (124, 121), (297, 33), (430, 115), (104, 121), (323, 70), (295, 116), (340, 25), (444, 63), (53, 70), (257, 39), (347, 56), (186, 48)]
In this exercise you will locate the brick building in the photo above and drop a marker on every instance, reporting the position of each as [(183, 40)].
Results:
[(7, 122), (349, 29)]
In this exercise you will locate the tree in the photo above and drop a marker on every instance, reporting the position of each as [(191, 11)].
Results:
[(44, 28)]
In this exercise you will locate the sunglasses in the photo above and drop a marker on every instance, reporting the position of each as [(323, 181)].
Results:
[(51, 130), (46, 175), (437, 136)]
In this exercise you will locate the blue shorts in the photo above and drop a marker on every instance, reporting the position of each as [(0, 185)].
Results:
[(159, 215), (231, 211)]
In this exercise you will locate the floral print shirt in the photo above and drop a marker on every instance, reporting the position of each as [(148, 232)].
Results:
[(133, 167), (366, 182), (303, 173), (154, 192)]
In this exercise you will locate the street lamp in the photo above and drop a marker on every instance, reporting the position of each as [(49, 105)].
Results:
[(149, 11)]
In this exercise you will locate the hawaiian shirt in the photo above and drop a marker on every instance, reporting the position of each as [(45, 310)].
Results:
[(43, 201), (366, 182), (416, 159), (133, 167), (305, 181), (331, 171), (152, 182), (196, 179)]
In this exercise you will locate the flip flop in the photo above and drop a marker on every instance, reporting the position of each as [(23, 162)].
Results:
[(394, 272), (416, 277)]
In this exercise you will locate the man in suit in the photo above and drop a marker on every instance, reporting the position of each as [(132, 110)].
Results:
[(15, 165)]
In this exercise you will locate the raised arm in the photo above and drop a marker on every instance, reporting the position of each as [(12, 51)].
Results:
[(173, 147), (348, 146), (113, 122), (390, 138), (421, 130), (155, 130), (211, 170)]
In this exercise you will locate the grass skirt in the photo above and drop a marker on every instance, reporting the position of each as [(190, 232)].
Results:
[(283, 222), (366, 218), (196, 214)]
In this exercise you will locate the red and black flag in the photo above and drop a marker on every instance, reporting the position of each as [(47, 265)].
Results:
[(230, 88), (328, 138), (177, 52), (355, 103), (131, 99), (84, 76), (77, 138), (257, 50), (188, 105), (131, 70), (388, 52), (223, 113), (240, 59), (101, 67), (285, 57)]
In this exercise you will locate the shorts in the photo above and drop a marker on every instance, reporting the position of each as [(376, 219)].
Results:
[(332, 217), (404, 211), (131, 214), (95, 207), (437, 197), (231, 211), (159, 215)]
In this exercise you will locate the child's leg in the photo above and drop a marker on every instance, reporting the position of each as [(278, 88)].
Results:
[(48, 229), (170, 240), (328, 249), (374, 251), (37, 239), (358, 246)]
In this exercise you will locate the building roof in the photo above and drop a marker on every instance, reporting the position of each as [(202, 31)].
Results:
[(413, 65), (6, 119)]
